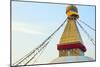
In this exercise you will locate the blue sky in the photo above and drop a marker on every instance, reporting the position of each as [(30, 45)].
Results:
[(33, 22)]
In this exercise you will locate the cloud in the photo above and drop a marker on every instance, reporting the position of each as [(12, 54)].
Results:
[(26, 28)]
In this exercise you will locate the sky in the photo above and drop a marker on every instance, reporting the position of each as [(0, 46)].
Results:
[(33, 22)]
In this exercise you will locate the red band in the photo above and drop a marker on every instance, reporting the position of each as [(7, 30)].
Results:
[(71, 46)]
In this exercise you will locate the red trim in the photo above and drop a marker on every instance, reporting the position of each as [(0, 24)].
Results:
[(71, 46)]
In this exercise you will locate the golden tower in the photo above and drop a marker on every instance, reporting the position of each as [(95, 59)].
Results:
[(70, 43)]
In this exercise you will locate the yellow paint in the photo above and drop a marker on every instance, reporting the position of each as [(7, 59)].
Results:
[(70, 13), (71, 33)]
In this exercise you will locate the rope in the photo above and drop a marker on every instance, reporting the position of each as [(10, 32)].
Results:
[(25, 57), (49, 38), (87, 25), (39, 56), (30, 53), (91, 39), (36, 53), (41, 53)]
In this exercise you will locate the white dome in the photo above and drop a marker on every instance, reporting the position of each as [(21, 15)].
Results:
[(71, 59)]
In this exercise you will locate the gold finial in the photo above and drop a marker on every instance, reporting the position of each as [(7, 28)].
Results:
[(72, 12)]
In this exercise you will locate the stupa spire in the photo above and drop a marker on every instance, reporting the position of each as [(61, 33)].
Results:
[(70, 43)]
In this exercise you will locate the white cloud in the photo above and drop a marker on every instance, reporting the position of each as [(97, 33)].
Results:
[(26, 28)]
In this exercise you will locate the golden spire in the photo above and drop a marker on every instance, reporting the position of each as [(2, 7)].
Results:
[(70, 42), (71, 33)]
